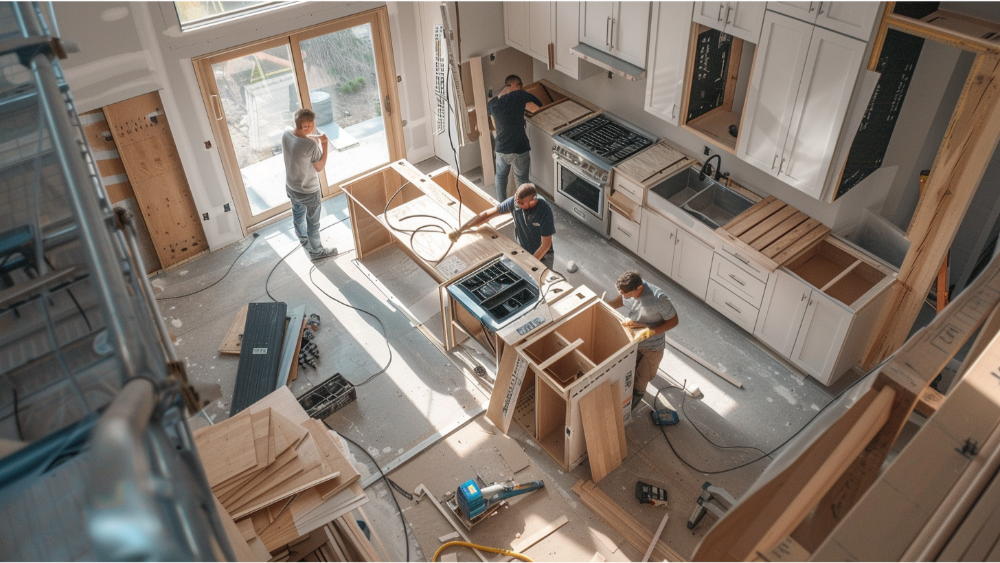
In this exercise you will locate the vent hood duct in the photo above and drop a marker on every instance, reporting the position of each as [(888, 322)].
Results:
[(608, 62)]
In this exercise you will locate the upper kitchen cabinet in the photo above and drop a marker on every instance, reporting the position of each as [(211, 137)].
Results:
[(620, 29), (670, 28), (547, 31), (799, 95), (741, 19), (856, 19)]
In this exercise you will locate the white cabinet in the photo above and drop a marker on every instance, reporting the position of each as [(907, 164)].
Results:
[(670, 31), (656, 241), (781, 312), (624, 231), (821, 336), (740, 19), (856, 19), (692, 263), (618, 28), (535, 27), (543, 168), (799, 94)]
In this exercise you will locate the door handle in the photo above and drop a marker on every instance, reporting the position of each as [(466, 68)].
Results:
[(820, 12), (804, 297), (388, 105), (607, 32), (782, 165), (722, 6), (673, 111), (613, 33), (216, 106), (811, 7), (773, 161), (729, 12)]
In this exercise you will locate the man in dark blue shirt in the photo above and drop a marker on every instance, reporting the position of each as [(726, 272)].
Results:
[(512, 146), (534, 224)]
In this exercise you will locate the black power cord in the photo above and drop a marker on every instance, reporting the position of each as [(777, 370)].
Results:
[(255, 236), (283, 258), (388, 482), (776, 448)]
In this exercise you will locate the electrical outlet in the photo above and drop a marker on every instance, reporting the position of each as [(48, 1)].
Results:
[(227, 208), (208, 144), (204, 216), (708, 151), (493, 57), (489, 94)]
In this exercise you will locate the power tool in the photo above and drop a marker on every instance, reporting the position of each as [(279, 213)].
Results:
[(648, 494), (711, 499), (474, 502), (664, 417)]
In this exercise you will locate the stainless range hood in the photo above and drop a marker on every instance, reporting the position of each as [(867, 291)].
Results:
[(608, 62)]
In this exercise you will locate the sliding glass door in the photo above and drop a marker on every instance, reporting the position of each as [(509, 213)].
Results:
[(252, 92)]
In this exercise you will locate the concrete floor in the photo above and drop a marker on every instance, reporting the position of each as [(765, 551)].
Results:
[(422, 393)]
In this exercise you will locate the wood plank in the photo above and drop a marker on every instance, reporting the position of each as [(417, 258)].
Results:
[(650, 162), (524, 542), (792, 238), (773, 227), (240, 547), (656, 537), (483, 121), (803, 244), (601, 418), (560, 354), (146, 147), (760, 211), (929, 402), (955, 175), (227, 449), (624, 523), (233, 339)]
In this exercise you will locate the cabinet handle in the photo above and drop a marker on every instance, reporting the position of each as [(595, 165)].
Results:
[(820, 12), (673, 111), (625, 189), (671, 235), (620, 230), (742, 259), (804, 297), (782, 165), (607, 32), (613, 32), (729, 12), (722, 6), (811, 6), (736, 279), (774, 161), (733, 307)]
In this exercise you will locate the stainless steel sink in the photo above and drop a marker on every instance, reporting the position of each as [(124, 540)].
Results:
[(716, 205), (682, 186)]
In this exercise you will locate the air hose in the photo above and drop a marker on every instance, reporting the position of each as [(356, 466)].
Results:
[(506, 552)]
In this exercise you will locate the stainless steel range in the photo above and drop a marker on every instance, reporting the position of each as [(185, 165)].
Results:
[(584, 155)]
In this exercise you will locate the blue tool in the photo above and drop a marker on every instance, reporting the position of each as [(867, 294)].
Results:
[(474, 502), (664, 417)]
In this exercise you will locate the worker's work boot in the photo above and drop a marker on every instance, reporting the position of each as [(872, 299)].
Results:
[(327, 252), (636, 399)]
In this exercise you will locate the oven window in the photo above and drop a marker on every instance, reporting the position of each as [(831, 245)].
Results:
[(581, 191)]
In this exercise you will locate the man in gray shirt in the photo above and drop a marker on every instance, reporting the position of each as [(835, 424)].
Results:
[(305, 155), (650, 310)]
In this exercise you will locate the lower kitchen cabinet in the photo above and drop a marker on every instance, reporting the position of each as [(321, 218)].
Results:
[(543, 168), (821, 336), (624, 231), (781, 311), (656, 241), (692, 263)]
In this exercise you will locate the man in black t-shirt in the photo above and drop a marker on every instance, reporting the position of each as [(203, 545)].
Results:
[(534, 223), (512, 146)]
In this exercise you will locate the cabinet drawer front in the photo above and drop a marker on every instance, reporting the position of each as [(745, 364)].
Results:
[(731, 305), (744, 262), (629, 188), (738, 280), (624, 231)]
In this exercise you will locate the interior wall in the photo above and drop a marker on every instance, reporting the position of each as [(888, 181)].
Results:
[(930, 101), (151, 30)]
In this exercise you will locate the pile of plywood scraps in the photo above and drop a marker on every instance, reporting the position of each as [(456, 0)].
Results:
[(278, 473), (340, 540)]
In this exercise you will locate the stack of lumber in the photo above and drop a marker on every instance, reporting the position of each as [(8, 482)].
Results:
[(618, 518), (278, 473), (339, 540)]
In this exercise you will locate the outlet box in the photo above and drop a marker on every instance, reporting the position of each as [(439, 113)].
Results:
[(204, 216), (708, 151), (227, 208)]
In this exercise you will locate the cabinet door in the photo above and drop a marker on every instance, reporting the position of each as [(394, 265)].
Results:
[(539, 30), (712, 14), (745, 19), (781, 312), (821, 336), (656, 242), (543, 168), (515, 23), (856, 19), (595, 24), (692, 263), (567, 29), (831, 69), (777, 72), (630, 32), (805, 11), (670, 30)]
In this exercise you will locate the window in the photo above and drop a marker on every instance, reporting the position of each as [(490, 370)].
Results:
[(196, 15)]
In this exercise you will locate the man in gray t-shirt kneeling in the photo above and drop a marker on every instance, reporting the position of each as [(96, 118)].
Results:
[(651, 310), (305, 155)]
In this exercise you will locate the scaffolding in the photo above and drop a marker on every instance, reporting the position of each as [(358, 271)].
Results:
[(96, 459)]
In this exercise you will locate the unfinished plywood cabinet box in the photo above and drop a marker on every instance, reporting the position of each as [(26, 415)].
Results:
[(561, 365)]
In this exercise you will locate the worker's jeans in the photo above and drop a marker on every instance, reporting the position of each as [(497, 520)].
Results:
[(305, 216), (645, 368), (522, 165)]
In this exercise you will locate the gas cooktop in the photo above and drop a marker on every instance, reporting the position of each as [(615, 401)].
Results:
[(496, 292), (606, 139)]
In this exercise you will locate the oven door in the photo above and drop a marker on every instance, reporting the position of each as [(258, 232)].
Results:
[(582, 197)]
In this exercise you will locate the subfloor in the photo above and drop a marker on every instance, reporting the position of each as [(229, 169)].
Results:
[(418, 413)]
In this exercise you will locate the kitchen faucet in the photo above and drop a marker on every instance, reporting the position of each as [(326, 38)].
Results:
[(706, 169)]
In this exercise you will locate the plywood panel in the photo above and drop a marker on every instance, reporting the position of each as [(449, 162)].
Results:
[(147, 150), (601, 422)]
